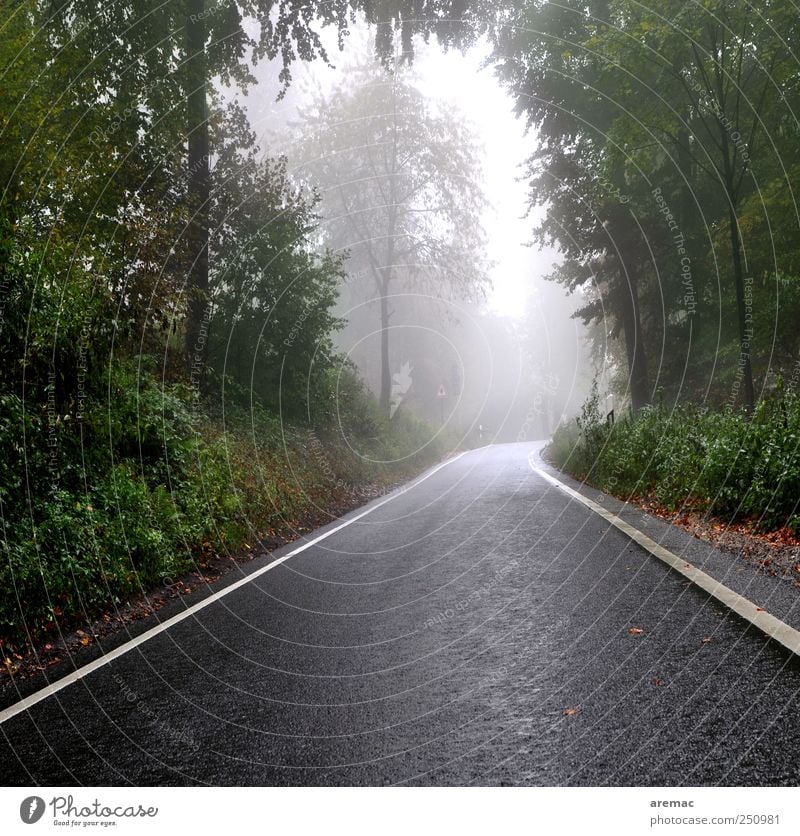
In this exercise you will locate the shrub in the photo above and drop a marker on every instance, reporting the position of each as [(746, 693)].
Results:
[(143, 485), (731, 463)]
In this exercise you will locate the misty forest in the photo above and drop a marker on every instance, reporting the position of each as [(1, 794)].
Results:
[(261, 263)]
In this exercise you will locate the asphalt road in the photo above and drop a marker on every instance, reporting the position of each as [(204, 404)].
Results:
[(473, 630)]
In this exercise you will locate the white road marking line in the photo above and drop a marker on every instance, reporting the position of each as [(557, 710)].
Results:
[(775, 628), (69, 679)]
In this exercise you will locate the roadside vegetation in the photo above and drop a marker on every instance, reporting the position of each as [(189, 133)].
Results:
[(142, 488), (665, 171), (732, 464)]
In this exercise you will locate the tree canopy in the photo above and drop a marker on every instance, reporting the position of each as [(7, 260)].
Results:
[(659, 130)]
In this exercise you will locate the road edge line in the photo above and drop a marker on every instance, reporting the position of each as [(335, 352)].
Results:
[(778, 630), (74, 676)]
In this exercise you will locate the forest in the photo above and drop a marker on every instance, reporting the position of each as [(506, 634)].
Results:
[(175, 386)]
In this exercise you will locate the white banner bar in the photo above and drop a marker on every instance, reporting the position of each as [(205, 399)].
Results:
[(402, 811)]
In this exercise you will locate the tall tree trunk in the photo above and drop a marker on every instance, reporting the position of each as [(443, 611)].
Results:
[(388, 269), (627, 238), (686, 205), (386, 376), (198, 187), (745, 332), (634, 342)]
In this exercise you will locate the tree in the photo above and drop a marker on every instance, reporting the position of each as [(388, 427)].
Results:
[(720, 70), (680, 95), (607, 257), (273, 293), (216, 45), (553, 77), (400, 180), (155, 65), (86, 191)]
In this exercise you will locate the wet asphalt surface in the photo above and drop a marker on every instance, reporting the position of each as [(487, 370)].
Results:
[(472, 631)]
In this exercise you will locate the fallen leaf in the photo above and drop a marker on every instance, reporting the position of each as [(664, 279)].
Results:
[(759, 609), (635, 631), (571, 712), (85, 641)]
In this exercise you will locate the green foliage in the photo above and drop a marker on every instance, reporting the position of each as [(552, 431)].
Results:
[(272, 322), (349, 418), (666, 140), (729, 463), (345, 402), (138, 488)]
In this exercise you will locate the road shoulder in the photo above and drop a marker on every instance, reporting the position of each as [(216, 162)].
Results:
[(775, 594)]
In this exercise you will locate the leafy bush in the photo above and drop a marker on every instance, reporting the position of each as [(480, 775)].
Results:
[(101, 510), (732, 463)]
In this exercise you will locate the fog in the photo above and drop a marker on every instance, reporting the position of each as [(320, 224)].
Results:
[(496, 360)]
